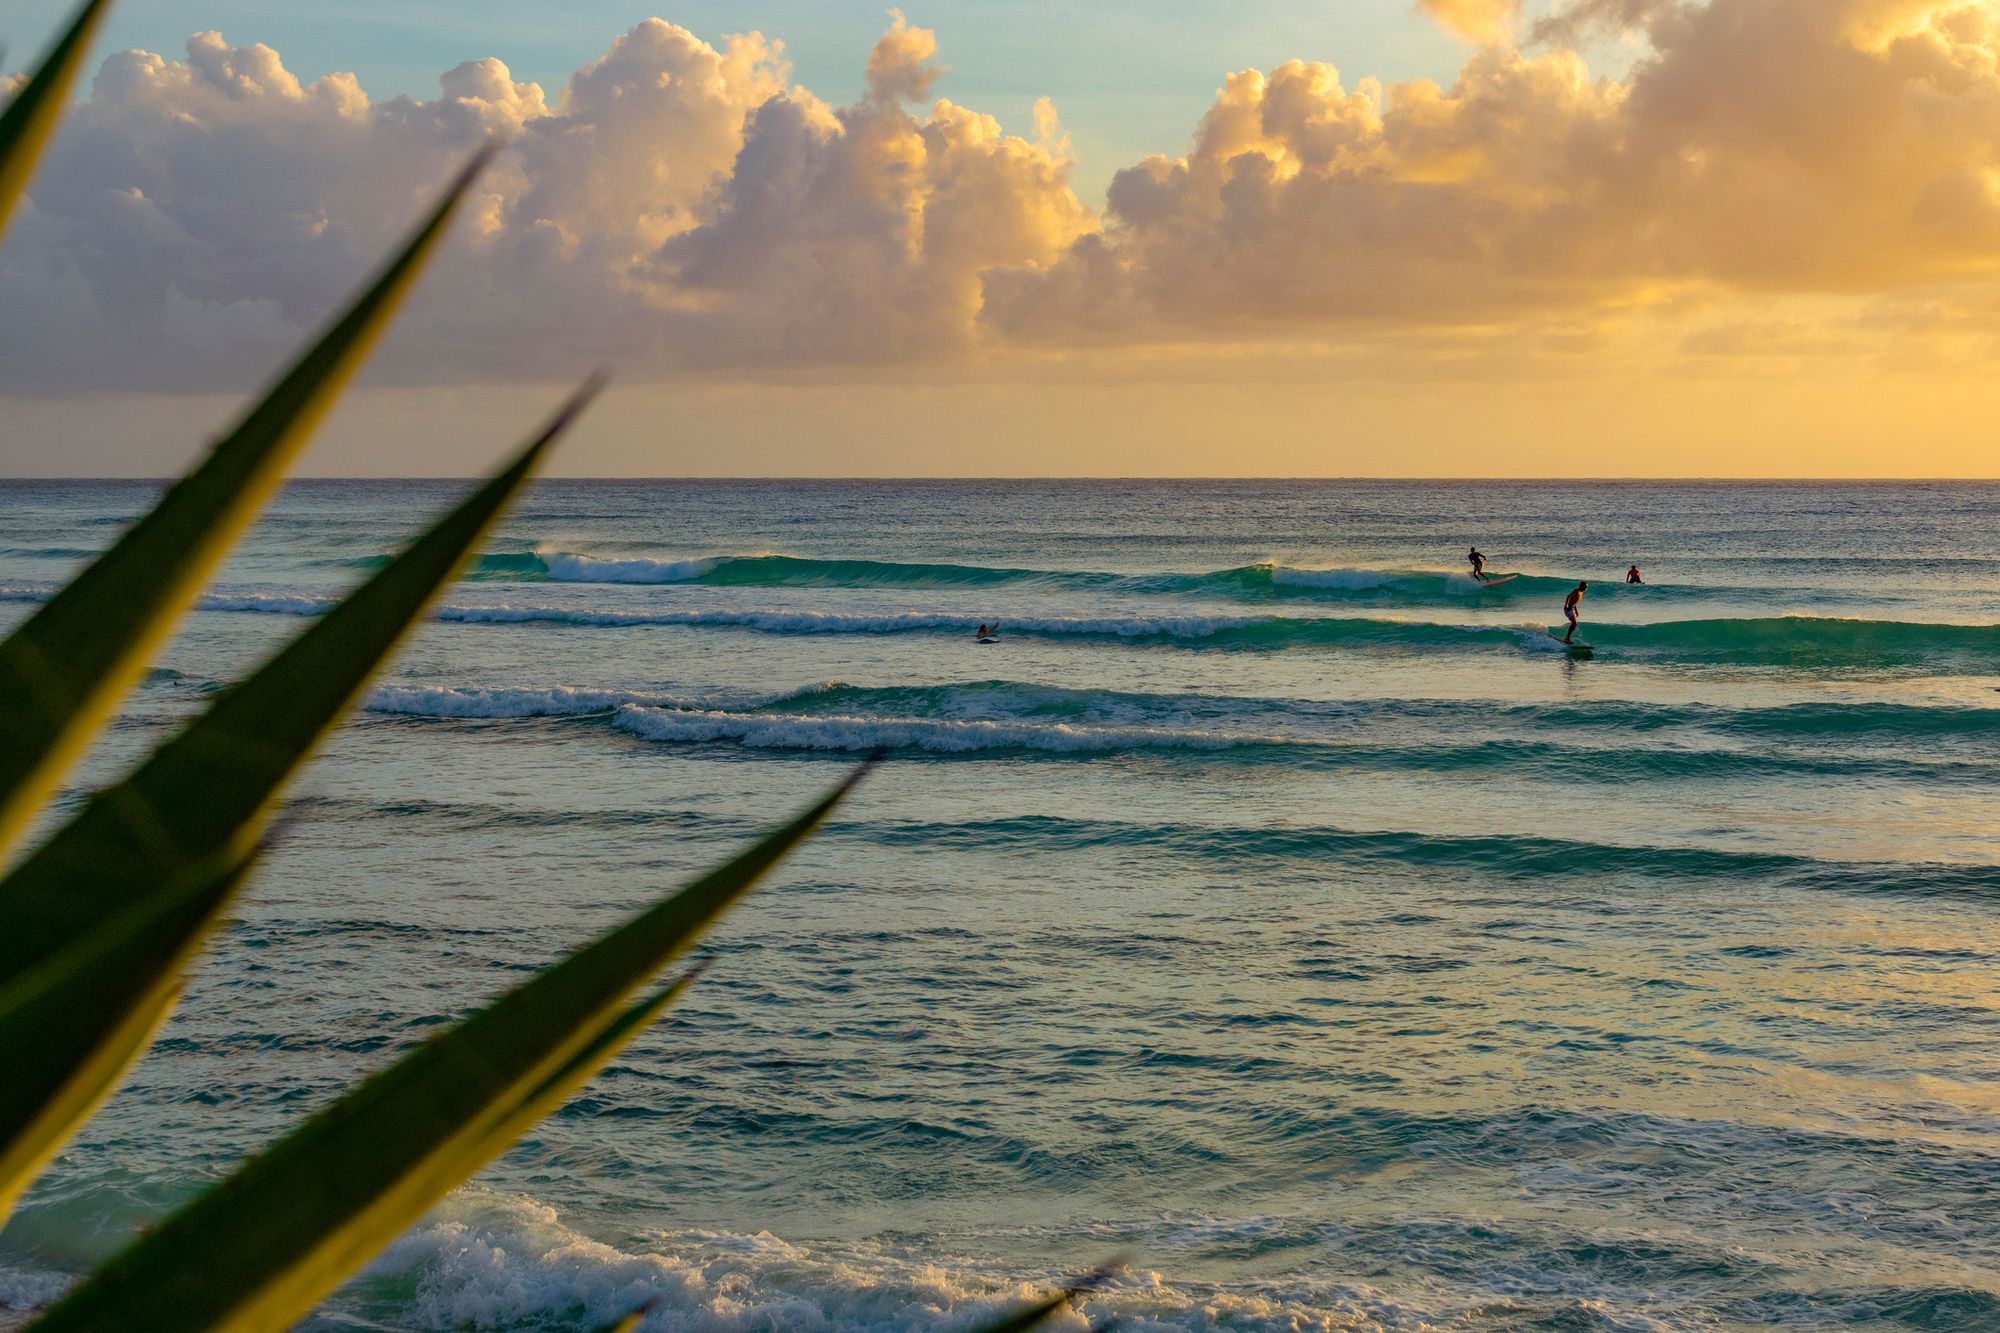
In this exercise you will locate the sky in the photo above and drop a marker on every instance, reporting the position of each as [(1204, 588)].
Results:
[(1544, 238)]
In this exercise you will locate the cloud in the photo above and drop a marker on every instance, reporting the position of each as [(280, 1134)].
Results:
[(677, 206), (1761, 146), (1474, 20), (681, 207), (1580, 20)]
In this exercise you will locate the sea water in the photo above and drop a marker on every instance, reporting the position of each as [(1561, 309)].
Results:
[(1272, 905)]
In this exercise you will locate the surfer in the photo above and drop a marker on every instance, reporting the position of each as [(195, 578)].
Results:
[(1570, 606), (1632, 575), (980, 633), (1478, 564)]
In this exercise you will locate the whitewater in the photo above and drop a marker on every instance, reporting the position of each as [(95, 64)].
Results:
[(1273, 905)]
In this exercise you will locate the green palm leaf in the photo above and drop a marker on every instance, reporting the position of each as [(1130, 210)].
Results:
[(64, 669), (70, 1028), (29, 120), (97, 924), (206, 790), (257, 1252)]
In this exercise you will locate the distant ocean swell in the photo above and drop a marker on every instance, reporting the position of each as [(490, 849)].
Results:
[(1501, 856), (1043, 721), (1774, 640), (1272, 850), (1263, 581), (1007, 700)]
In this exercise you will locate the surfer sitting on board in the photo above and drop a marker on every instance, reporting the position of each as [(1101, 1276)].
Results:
[(1569, 608), (1478, 564), (980, 633), (1632, 575)]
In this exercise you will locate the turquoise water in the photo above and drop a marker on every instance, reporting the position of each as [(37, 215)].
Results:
[(1271, 906)]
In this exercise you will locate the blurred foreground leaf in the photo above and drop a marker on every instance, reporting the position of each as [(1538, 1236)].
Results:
[(260, 1250), (70, 1028), (64, 669), (29, 120), (119, 898), (207, 789)]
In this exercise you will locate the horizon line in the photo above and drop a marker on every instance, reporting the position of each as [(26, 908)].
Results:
[(1094, 477)]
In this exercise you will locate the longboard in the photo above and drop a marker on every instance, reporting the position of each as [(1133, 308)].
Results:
[(1494, 583), (1575, 648), (988, 639)]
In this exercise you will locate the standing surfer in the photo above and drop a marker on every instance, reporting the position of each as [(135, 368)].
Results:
[(1478, 564), (1570, 608)]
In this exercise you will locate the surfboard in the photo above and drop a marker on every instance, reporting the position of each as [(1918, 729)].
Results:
[(1494, 583), (1576, 649), (988, 639)]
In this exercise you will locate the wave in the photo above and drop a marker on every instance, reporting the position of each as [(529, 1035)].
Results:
[(1803, 641), (1776, 641), (778, 731), (1260, 581), (982, 700), (1503, 856), (492, 1260), (1806, 640), (997, 718)]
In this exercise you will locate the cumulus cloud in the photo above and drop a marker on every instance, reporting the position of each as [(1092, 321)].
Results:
[(1579, 20), (676, 205), (1474, 20), (684, 206), (1759, 146)]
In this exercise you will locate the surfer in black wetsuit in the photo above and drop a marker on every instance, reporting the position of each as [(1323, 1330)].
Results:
[(1478, 564), (1570, 608), (1632, 575)]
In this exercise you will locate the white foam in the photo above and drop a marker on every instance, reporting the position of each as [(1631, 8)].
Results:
[(508, 701), (834, 622), (23, 1290), (282, 604), (778, 731), (1350, 580), (570, 567), (487, 1260)]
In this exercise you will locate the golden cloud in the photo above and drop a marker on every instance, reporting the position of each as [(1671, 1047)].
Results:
[(686, 207)]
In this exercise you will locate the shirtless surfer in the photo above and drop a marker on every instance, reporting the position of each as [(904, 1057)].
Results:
[(1632, 575), (1570, 608), (1478, 564)]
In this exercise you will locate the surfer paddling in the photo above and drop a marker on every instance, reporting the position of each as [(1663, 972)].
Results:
[(1478, 564), (1570, 604)]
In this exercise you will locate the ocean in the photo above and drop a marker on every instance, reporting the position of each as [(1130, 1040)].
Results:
[(1271, 906)]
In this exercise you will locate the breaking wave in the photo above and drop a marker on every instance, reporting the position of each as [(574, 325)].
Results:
[(1805, 641), (1261, 581), (999, 717)]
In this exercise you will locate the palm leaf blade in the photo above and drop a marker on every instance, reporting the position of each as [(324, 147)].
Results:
[(64, 668), (29, 120), (69, 1029), (255, 1253), (207, 789)]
